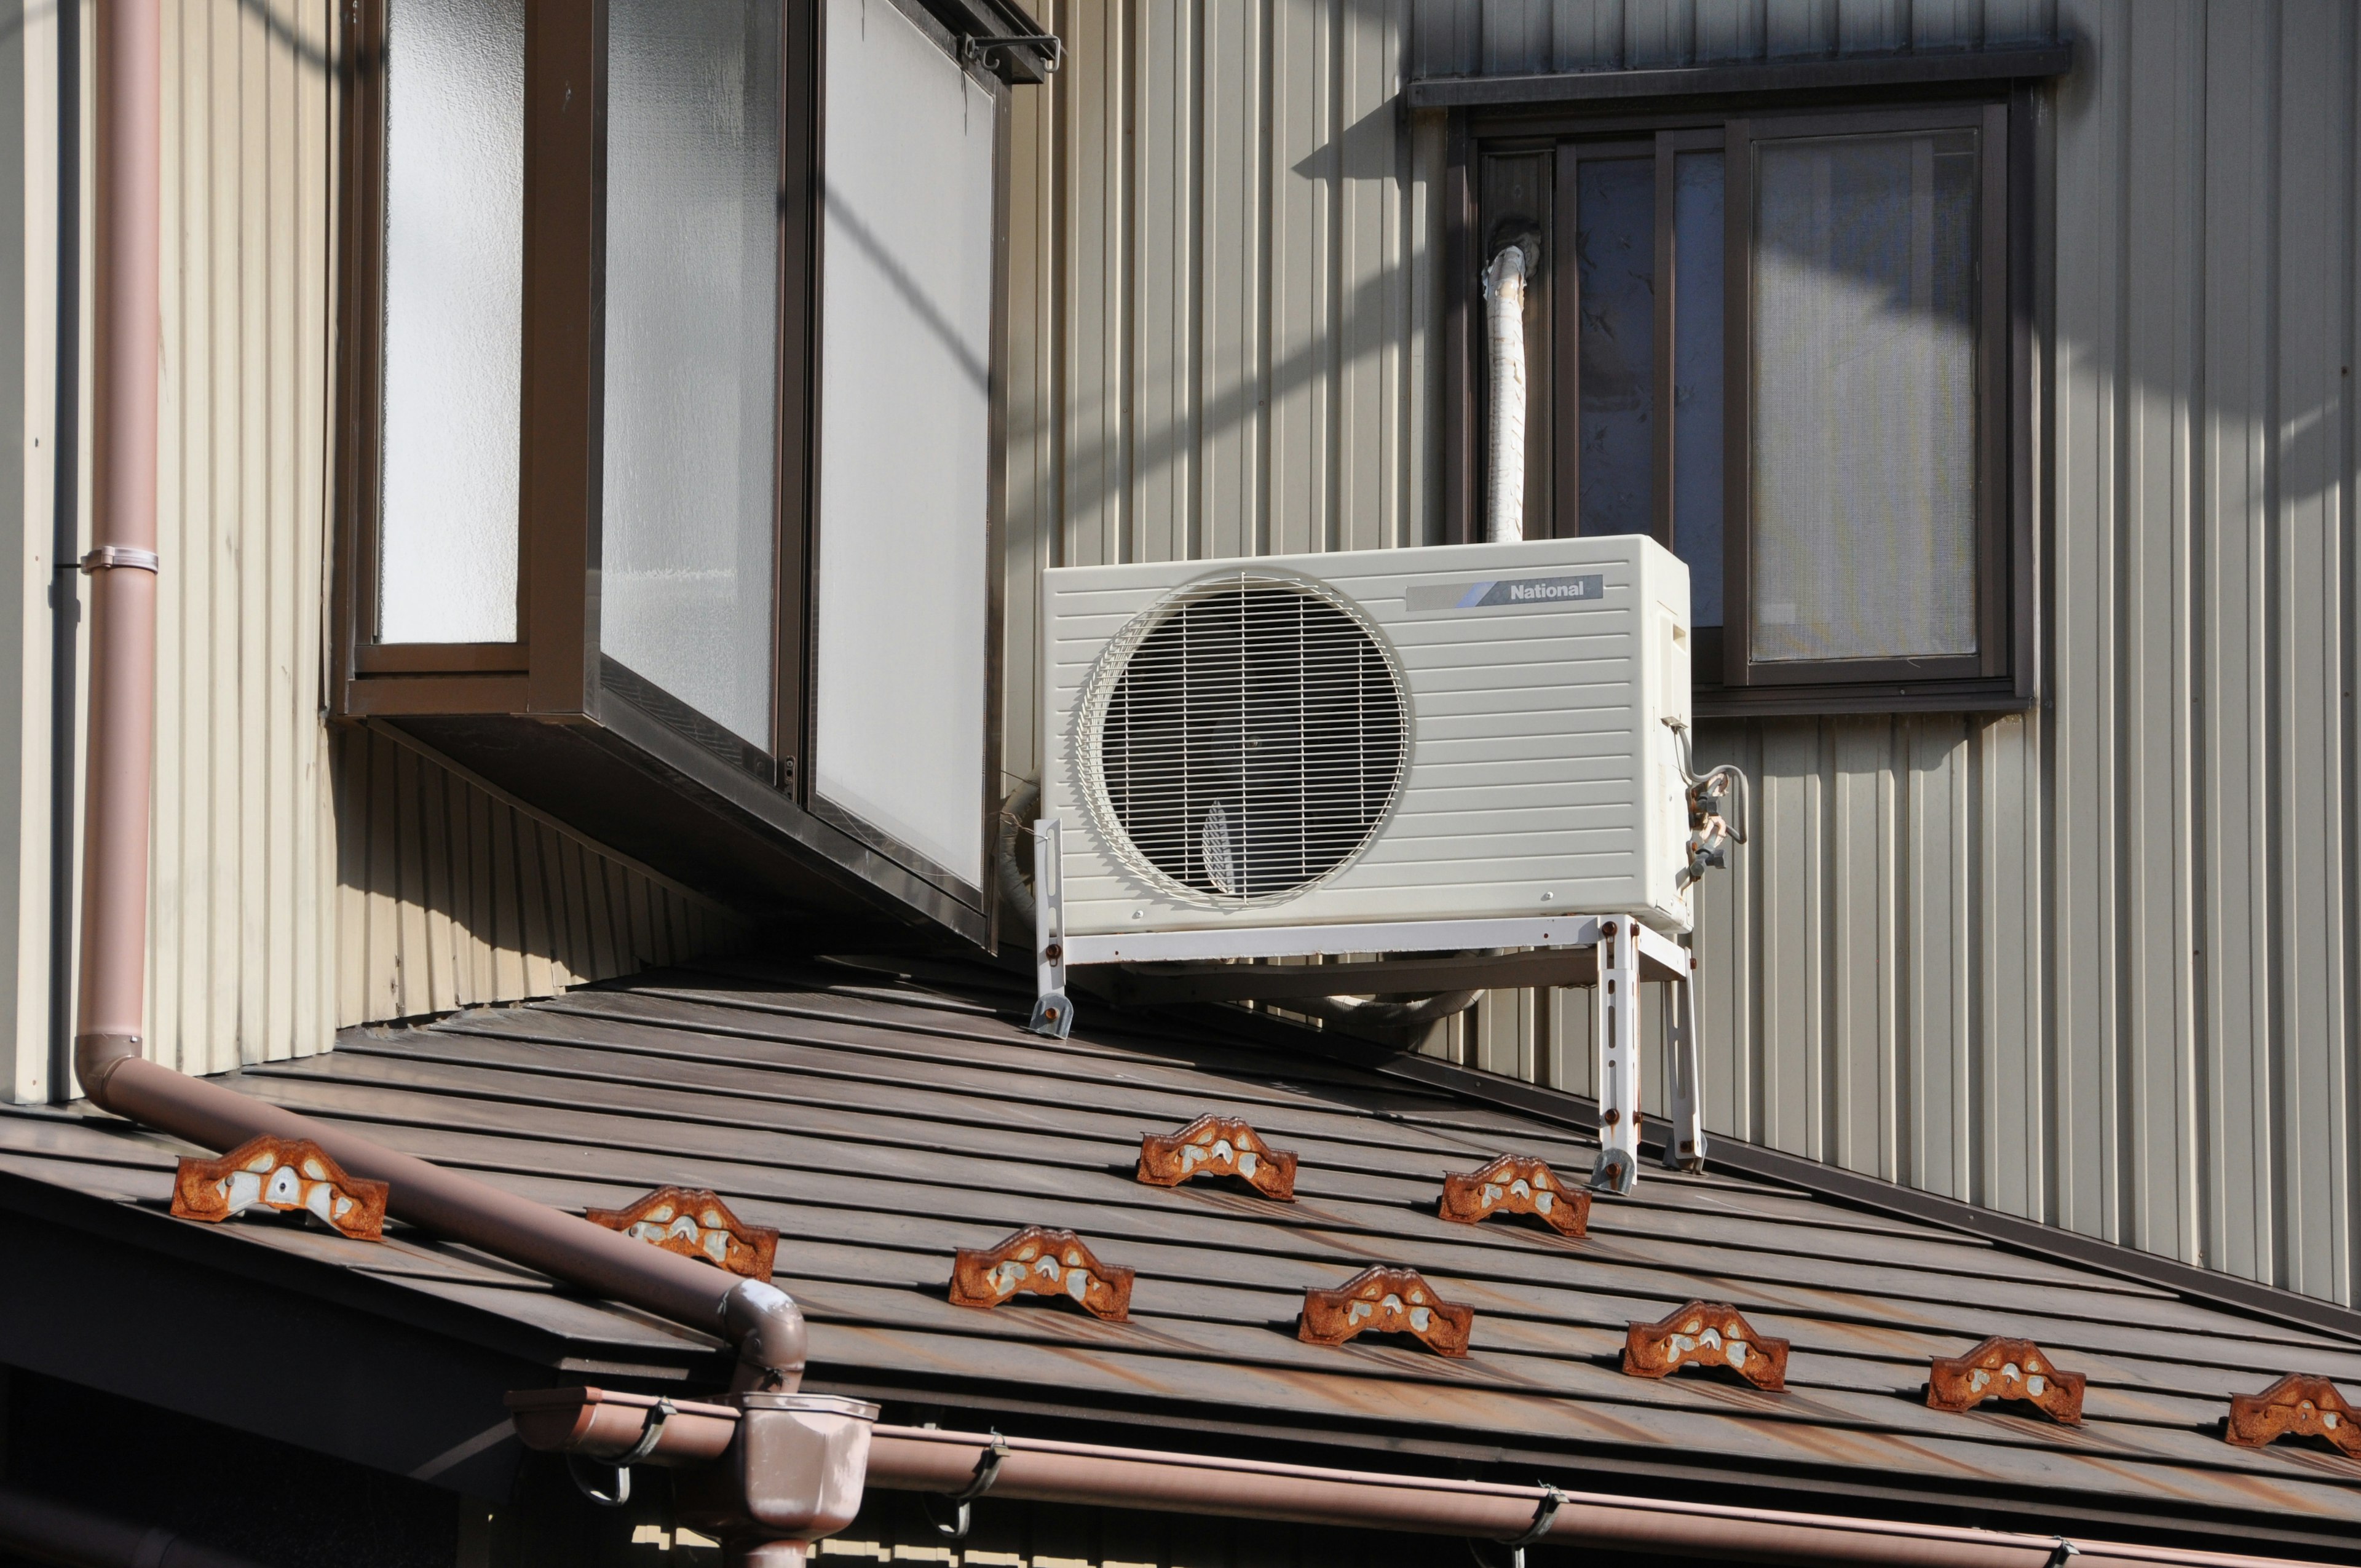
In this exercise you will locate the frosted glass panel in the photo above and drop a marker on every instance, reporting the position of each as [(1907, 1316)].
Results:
[(1615, 257), (906, 406), (692, 225), (1698, 360), (453, 320), (1864, 398)]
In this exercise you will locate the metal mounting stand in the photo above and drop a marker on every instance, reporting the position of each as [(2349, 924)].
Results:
[(1685, 1146), (1052, 1014), (1618, 1035), (1194, 966)]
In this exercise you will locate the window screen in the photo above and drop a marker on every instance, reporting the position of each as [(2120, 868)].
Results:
[(1864, 439), (1698, 360), (1615, 256)]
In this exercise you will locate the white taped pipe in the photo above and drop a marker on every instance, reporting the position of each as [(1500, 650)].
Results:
[(1504, 312)]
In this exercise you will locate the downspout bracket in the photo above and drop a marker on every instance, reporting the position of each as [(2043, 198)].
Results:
[(108, 555)]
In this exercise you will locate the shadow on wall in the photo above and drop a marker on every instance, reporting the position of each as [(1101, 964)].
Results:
[(452, 893), (1256, 382)]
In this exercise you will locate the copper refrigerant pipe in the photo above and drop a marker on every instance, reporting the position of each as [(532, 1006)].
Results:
[(761, 1319), (922, 1459), (49, 1531)]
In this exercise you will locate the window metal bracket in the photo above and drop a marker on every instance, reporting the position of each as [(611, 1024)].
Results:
[(993, 52), (1053, 1014)]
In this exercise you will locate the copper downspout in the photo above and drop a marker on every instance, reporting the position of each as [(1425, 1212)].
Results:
[(761, 1319), (49, 1531), (922, 1459)]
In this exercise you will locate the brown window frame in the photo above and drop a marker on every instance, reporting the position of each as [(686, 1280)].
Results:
[(550, 716), (2003, 675)]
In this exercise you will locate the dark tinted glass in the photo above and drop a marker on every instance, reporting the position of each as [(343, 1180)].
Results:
[(1615, 260), (1697, 378)]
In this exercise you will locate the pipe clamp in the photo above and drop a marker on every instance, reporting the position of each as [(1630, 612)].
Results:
[(108, 555)]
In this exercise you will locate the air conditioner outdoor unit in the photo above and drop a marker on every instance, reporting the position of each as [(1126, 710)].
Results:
[(1460, 749), (1371, 736)]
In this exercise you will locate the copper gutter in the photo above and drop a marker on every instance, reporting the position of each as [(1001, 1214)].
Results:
[(49, 1531), (608, 1426), (762, 1321), (922, 1459)]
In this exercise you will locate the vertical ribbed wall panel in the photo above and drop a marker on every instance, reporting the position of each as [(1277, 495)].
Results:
[(240, 961), (452, 893), (2099, 963), (29, 461)]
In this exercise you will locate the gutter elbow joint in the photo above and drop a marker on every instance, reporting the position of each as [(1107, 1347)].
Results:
[(767, 1327), (95, 1058)]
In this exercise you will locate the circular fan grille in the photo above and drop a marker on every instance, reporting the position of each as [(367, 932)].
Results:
[(1246, 739)]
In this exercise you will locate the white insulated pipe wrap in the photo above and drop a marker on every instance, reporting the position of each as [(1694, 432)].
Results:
[(1504, 313)]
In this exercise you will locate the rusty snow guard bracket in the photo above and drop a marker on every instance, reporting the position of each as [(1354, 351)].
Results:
[(1706, 1334), (290, 1175), (1517, 1184), (1217, 1146), (772, 1467), (1041, 1262), (695, 1223), (1385, 1300), (2299, 1405), (1445, 964), (2006, 1369)]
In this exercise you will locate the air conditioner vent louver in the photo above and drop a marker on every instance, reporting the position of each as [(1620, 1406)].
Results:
[(1244, 740)]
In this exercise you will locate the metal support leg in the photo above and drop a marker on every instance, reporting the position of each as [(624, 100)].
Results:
[(1685, 1150), (1618, 1169), (1052, 1014)]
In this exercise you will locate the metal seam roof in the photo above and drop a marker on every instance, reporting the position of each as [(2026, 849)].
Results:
[(879, 1127)]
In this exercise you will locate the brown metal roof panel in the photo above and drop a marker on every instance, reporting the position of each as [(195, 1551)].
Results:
[(846, 1179), (1892, 1297), (1773, 1266), (1253, 1074), (855, 1206), (878, 1132), (1807, 1302), (503, 1023), (1567, 1361), (456, 1273), (1536, 1422), (807, 1075)]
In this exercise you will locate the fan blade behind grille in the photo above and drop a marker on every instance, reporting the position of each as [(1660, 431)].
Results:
[(1252, 739)]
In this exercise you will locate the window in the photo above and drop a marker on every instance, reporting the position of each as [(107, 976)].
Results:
[(1785, 343), (644, 301)]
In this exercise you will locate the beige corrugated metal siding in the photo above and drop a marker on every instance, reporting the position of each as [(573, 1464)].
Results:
[(241, 954), (2099, 964), (28, 143), (301, 881), (453, 893)]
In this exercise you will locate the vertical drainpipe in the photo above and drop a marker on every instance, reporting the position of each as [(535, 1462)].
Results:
[(762, 1321), (123, 562), (65, 537), (1505, 280)]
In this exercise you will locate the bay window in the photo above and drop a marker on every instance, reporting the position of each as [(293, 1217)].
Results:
[(671, 380)]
